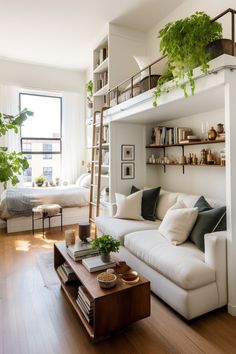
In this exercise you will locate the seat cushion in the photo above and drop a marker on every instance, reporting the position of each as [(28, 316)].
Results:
[(184, 264), (118, 228)]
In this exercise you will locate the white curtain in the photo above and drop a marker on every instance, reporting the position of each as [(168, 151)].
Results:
[(9, 104), (73, 136)]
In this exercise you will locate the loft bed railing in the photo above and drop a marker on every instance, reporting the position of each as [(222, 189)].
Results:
[(115, 91)]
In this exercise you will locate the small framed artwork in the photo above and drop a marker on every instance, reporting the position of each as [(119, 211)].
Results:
[(127, 170), (127, 152)]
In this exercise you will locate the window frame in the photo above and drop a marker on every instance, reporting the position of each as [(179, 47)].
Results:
[(22, 139)]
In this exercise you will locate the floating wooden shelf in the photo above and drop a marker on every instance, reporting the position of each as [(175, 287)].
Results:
[(203, 142), (179, 164)]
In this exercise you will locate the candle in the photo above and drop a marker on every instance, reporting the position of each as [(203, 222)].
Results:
[(69, 237)]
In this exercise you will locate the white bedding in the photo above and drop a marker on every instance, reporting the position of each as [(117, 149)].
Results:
[(20, 201)]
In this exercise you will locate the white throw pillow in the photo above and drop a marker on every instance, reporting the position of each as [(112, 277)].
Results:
[(84, 180), (166, 201), (129, 207), (178, 223)]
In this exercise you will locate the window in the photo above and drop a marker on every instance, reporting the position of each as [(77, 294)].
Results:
[(47, 148), (28, 175), (27, 147), (41, 135), (47, 173)]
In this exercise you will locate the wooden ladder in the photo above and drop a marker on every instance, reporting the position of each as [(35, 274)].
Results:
[(96, 147)]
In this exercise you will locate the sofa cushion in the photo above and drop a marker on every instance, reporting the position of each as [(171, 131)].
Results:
[(129, 207), (166, 201), (184, 265), (118, 228), (178, 223), (149, 202), (209, 220)]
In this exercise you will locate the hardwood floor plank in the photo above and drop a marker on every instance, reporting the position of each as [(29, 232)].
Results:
[(36, 319)]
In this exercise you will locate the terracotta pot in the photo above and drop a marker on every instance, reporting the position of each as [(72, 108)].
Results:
[(219, 47)]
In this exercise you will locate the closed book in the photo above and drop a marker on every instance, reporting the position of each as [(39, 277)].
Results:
[(87, 308), (79, 258), (88, 318), (62, 275), (80, 247), (85, 295), (94, 264)]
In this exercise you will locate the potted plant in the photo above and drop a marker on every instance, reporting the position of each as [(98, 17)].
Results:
[(106, 244), (39, 181), (89, 89), (12, 164), (184, 43)]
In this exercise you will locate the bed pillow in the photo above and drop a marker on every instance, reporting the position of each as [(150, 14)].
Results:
[(209, 220), (149, 202), (178, 223), (80, 179), (129, 207)]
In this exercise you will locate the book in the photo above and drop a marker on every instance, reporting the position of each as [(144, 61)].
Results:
[(85, 295), (88, 309), (88, 318), (68, 271), (64, 277), (94, 264), (79, 257), (81, 248)]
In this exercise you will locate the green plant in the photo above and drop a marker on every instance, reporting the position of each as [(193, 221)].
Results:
[(39, 179), (12, 164), (106, 244), (184, 43), (89, 89)]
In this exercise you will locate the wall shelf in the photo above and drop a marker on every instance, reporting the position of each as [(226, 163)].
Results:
[(203, 142), (179, 164), (102, 91), (102, 67)]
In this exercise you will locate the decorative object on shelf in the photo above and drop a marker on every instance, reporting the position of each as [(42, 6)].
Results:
[(39, 181), (127, 152), (153, 137), (84, 231), (106, 244), (203, 159), (70, 237), (106, 280), (57, 181), (131, 277), (127, 170), (182, 160), (187, 51), (210, 158), (222, 158), (220, 128), (89, 89), (212, 134)]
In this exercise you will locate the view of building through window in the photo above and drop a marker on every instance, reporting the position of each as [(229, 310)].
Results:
[(41, 137)]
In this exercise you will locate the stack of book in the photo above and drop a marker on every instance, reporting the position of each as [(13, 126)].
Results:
[(103, 80), (81, 250), (66, 273), (170, 135), (94, 264), (85, 303)]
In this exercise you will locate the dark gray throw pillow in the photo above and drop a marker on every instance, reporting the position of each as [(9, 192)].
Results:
[(149, 202), (209, 220)]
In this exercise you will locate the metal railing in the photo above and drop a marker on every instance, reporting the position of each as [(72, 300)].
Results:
[(130, 81)]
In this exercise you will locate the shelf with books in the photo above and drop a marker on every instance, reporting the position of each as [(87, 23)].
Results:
[(202, 142), (102, 91), (103, 66)]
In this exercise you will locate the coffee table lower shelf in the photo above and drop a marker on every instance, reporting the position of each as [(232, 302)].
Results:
[(113, 309), (71, 291)]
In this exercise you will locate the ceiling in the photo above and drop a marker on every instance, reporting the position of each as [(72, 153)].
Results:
[(61, 33)]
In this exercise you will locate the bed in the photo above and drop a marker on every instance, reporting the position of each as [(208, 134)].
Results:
[(17, 203)]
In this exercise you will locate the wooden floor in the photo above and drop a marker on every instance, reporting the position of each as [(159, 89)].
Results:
[(35, 319)]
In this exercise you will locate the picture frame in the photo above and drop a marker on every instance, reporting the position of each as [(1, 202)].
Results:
[(127, 170), (127, 152)]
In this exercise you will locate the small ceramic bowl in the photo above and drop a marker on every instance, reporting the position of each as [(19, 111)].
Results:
[(130, 277), (106, 280)]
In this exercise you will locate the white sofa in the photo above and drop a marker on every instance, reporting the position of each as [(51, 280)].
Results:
[(189, 280)]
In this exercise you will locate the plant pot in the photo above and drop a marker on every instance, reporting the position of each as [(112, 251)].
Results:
[(105, 257), (219, 47), (90, 104), (39, 184)]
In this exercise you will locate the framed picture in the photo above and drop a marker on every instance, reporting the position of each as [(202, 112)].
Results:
[(127, 170), (127, 152)]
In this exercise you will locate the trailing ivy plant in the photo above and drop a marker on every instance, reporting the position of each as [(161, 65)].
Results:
[(184, 43), (12, 164)]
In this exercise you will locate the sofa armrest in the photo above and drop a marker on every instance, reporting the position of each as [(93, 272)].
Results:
[(216, 258)]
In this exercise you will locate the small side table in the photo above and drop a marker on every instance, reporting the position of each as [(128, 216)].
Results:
[(46, 211)]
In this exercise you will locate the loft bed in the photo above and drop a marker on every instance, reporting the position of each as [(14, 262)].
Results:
[(147, 78)]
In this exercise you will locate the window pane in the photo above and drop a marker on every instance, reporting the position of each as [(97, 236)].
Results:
[(47, 173), (47, 148), (46, 121), (38, 146)]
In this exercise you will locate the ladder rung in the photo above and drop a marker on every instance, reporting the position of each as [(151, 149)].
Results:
[(92, 220), (93, 185), (92, 203)]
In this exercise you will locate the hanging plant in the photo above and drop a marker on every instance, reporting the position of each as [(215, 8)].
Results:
[(184, 43)]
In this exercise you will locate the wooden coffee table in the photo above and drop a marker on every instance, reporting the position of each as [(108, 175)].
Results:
[(113, 308)]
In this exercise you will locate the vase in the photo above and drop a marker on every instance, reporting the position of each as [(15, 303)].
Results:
[(105, 257), (212, 134)]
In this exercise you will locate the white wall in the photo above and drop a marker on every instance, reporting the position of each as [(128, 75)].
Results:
[(207, 181), (187, 8)]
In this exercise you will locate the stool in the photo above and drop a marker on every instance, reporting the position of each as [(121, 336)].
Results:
[(46, 211)]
